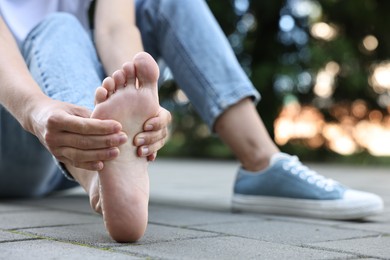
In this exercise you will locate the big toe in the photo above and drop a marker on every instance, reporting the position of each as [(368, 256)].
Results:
[(146, 69)]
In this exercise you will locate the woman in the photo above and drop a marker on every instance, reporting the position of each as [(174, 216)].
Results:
[(53, 99)]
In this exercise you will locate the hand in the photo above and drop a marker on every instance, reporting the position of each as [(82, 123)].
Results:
[(154, 136), (73, 138)]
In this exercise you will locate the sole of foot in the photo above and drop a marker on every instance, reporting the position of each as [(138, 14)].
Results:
[(121, 188)]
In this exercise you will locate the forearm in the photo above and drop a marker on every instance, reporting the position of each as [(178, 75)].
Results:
[(117, 37), (117, 46), (18, 90)]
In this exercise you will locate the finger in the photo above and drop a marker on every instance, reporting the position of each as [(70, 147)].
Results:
[(80, 111), (148, 138), (77, 156), (90, 166), (83, 142), (162, 120), (152, 157), (145, 151), (86, 126)]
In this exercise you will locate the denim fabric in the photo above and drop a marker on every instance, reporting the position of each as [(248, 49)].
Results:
[(62, 59), (187, 37), (26, 167)]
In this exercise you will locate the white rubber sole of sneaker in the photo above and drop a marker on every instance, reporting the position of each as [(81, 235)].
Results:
[(355, 205)]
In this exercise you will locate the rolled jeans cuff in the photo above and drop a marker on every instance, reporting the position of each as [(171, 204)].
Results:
[(63, 169)]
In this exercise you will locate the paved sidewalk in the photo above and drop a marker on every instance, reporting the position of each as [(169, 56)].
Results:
[(190, 218)]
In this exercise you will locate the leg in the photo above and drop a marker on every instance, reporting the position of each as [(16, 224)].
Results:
[(210, 68), (205, 67), (187, 36), (50, 51), (242, 129), (27, 169), (63, 61)]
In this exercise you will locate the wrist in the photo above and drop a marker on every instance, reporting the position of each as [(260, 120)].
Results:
[(31, 111)]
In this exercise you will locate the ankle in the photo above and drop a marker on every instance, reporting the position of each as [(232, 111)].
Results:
[(256, 163)]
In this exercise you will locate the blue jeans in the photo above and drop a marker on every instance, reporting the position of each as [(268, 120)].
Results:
[(62, 58)]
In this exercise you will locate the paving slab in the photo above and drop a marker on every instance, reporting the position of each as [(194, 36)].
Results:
[(379, 224), (12, 206), (74, 200), (226, 247), (88, 234), (190, 218), (50, 249), (96, 235), (181, 216), (378, 246), (195, 183), (285, 232), (8, 236), (376, 223), (44, 218)]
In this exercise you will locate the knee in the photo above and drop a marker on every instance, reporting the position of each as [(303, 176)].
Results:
[(60, 22), (62, 18), (173, 6), (157, 12)]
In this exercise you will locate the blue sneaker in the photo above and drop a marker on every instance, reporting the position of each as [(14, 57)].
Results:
[(287, 187)]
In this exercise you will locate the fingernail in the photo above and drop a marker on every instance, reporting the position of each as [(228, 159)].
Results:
[(122, 138), (148, 127), (140, 141), (113, 152), (117, 128), (98, 166), (144, 150)]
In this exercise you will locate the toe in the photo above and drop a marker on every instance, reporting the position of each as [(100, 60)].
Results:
[(109, 85), (129, 72), (146, 69), (100, 95), (119, 79)]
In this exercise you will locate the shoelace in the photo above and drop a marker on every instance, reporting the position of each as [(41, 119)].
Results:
[(295, 167)]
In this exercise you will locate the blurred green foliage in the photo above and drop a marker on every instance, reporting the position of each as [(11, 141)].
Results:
[(278, 54)]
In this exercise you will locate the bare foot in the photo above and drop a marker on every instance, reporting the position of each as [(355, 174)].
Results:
[(121, 190)]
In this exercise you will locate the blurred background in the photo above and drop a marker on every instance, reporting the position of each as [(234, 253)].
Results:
[(323, 69)]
